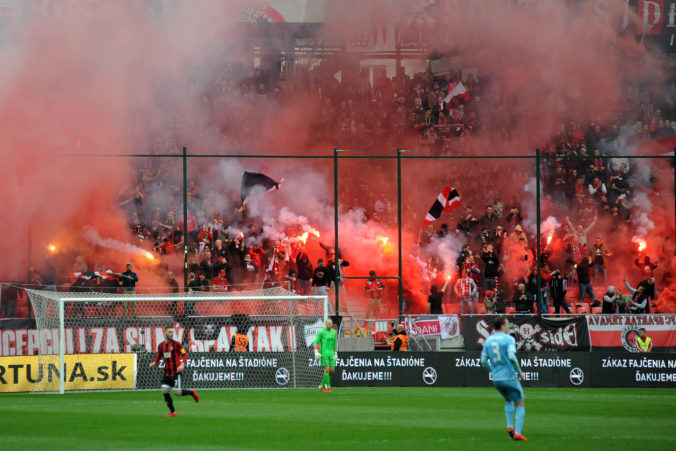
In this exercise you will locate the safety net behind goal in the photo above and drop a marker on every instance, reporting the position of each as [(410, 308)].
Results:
[(107, 341)]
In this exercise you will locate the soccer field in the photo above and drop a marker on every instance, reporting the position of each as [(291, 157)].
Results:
[(348, 418)]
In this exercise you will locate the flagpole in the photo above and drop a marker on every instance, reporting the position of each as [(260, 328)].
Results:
[(538, 296), (401, 284), (335, 221), (185, 219)]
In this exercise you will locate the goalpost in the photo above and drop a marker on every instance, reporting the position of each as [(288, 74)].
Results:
[(101, 341)]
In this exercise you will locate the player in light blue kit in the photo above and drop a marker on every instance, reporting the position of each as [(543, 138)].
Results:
[(499, 357)]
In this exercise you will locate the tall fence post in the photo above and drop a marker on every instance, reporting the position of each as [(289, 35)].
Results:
[(538, 298), (335, 224), (185, 219), (401, 282)]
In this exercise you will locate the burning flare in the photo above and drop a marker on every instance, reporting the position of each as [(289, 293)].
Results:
[(149, 256), (51, 247), (640, 243), (549, 240), (305, 235)]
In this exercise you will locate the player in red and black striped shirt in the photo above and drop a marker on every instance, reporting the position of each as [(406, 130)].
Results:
[(175, 358)]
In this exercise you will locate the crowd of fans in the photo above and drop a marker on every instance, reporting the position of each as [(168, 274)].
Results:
[(229, 249)]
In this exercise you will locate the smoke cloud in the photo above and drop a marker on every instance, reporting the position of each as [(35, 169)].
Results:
[(101, 81)]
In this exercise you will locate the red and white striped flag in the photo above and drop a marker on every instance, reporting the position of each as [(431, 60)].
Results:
[(446, 201), (458, 94)]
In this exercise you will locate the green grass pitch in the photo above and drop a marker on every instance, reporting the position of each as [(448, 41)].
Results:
[(349, 418)]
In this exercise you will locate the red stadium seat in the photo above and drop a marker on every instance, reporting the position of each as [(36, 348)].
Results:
[(379, 337), (509, 310), (452, 309), (596, 310), (583, 309)]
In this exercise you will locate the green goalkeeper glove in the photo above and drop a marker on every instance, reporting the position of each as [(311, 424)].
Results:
[(335, 355), (317, 355)]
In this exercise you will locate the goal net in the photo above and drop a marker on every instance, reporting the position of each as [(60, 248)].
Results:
[(99, 341)]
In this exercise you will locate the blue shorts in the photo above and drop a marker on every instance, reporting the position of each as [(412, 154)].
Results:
[(511, 390)]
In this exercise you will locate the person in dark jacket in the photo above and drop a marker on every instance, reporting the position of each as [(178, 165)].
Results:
[(558, 286), (523, 300), (584, 281), (491, 264), (639, 298), (320, 279), (305, 272)]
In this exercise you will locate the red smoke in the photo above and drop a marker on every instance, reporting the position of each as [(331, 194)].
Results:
[(106, 82)]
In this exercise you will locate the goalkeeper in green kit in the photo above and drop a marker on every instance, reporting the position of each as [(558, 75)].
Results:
[(326, 353)]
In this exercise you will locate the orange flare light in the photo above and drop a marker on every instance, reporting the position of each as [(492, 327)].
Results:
[(549, 240), (51, 247), (149, 256), (641, 245)]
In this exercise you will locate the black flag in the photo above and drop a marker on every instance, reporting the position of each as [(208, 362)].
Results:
[(254, 183)]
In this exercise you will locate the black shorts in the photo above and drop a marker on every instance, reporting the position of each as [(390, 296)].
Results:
[(169, 380)]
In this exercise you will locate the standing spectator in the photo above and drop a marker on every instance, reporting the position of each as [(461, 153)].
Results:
[(584, 281), (332, 268), (514, 218), (490, 220), (491, 265), (643, 342), (466, 290), (206, 265), (374, 291), (469, 223), (320, 279), (582, 233), (639, 299), (435, 300), (649, 288), (610, 301), (523, 300), (173, 288), (498, 205), (305, 273), (128, 281), (575, 249), (599, 252), (646, 266), (470, 267), (219, 250)]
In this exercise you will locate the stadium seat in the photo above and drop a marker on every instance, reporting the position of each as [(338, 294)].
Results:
[(510, 310), (452, 309), (582, 309), (596, 310), (379, 337)]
